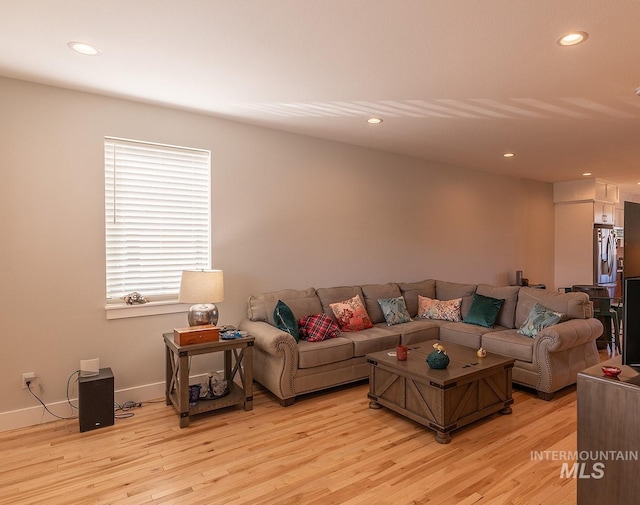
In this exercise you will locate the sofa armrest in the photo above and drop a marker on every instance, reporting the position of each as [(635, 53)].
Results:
[(568, 334), (269, 339), (275, 357), (562, 350)]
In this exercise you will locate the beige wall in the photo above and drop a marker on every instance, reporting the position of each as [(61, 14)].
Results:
[(288, 211)]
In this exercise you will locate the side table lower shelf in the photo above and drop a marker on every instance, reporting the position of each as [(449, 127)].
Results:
[(234, 397), (238, 361)]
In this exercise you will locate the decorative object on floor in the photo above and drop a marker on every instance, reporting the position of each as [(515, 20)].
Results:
[(194, 394), (204, 288), (611, 371), (438, 359), (218, 387), (481, 353), (134, 298)]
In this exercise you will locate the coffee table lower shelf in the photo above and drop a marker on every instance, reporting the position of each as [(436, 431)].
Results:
[(469, 389)]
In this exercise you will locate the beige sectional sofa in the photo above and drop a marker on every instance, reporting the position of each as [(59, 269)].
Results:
[(547, 363)]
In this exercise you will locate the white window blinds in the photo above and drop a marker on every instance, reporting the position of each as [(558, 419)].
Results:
[(157, 213)]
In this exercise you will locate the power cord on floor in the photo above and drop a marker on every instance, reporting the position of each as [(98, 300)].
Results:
[(122, 411), (77, 372), (43, 404), (126, 408)]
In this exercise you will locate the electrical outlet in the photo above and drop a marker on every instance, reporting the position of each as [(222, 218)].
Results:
[(29, 376)]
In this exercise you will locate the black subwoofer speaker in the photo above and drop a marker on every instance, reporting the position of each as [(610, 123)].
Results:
[(95, 400)]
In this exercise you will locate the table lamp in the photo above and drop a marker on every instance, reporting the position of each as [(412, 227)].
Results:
[(204, 288)]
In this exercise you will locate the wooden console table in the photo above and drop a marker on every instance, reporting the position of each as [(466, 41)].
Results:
[(608, 435), (238, 360)]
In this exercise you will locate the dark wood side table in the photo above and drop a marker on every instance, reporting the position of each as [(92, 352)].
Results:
[(238, 360)]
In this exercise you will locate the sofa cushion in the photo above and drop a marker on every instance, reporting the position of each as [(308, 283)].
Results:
[(317, 327), (419, 330), (465, 334), (573, 305), (372, 293), (311, 354), (394, 310), (411, 290), (328, 296), (509, 343), (351, 314), (446, 310), (483, 311), (539, 318), (374, 339), (301, 302), (285, 320), (507, 314), (450, 290)]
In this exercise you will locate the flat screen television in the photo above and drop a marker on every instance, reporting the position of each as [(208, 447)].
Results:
[(631, 325), (631, 275)]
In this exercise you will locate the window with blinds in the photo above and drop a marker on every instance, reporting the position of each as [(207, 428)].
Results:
[(157, 213)]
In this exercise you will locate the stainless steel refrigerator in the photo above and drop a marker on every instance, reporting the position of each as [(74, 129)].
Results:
[(604, 258)]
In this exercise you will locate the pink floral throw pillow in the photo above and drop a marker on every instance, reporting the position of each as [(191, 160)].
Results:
[(447, 310), (351, 314)]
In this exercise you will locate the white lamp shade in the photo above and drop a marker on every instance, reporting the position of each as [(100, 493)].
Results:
[(201, 286)]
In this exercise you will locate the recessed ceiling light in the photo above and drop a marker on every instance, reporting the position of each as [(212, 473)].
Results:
[(587, 174), (374, 120), (84, 48), (573, 38), (508, 155)]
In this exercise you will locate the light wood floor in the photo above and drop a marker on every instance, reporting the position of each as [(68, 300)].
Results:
[(327, 448)]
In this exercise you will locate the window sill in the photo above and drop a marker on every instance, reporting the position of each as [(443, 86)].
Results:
[(122, 310)]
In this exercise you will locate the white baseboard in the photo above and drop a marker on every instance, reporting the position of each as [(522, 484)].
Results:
[(31, 416), (38, 415)]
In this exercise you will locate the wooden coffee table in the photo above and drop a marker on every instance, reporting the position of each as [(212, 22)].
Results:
[(470, 388)]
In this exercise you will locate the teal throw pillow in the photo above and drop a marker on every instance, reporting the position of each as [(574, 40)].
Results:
[(484, 310), (539, 318), (285, 320), (394, 310)]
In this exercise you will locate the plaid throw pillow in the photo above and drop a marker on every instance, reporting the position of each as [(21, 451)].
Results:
[(317, 327)]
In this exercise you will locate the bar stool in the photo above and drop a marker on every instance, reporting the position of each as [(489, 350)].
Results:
[(603, 311)]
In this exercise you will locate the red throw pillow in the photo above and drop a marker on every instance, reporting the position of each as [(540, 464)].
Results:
[(351, 314)]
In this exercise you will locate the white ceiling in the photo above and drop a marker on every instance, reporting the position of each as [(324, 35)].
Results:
[(456, 81)]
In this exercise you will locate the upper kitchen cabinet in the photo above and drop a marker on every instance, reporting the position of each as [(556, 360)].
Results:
[(603, 195), (604, 213), (585, 190)]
